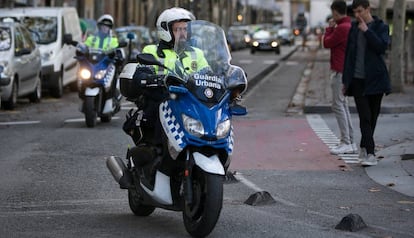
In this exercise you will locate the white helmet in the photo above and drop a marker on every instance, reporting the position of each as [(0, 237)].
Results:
[(106, 20), (167, 18)]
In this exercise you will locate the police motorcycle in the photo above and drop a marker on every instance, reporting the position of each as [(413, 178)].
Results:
[(98, 86), (184, 173)]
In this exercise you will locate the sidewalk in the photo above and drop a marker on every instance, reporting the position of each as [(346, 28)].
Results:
[(397, 170)]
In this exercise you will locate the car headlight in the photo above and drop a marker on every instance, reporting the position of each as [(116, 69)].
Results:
[(274, 44), (85, 74), (4, 68), (223, 129), (193, 126), (47, 56), (255, 43), (100, 74)]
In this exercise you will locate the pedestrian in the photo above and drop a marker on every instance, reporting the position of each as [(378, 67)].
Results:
[(335, 39), (365, 75)]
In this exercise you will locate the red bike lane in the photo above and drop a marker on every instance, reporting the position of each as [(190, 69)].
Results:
[(281, 144)]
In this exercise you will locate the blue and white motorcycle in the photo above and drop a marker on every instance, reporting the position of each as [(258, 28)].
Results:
[(186, 171), (98, 86)]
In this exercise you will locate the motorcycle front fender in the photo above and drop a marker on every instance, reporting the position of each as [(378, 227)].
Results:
[(210, 164), (91, 92)]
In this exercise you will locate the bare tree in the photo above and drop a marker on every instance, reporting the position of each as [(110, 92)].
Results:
[(397, 46), (382, 10)]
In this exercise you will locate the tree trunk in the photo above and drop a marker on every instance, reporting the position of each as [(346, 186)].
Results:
[(397, 46), (382, 11)]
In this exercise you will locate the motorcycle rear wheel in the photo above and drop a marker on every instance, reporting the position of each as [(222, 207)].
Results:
[(90, 111), (201, 216), (136, 206)]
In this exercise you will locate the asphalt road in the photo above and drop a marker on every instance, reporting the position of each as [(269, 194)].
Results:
[(54, 181)]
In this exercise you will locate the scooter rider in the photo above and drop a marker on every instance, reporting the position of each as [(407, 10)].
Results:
[(172, 32), (104, 38)]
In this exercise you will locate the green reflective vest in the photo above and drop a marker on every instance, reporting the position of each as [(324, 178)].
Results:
[(193, 62), (108, 44)]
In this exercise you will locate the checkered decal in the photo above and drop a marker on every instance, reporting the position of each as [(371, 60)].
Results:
[(171, 127), (231, 141)]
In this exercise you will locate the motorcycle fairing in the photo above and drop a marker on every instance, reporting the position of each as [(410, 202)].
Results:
[(92, 91), (162, 189), (210, 164), (178, 138), (171, 127)]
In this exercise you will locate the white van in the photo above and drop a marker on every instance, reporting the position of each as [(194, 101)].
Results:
[(47, 26)]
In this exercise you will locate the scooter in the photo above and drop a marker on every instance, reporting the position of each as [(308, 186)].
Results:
[(186, 172), (98, 86)]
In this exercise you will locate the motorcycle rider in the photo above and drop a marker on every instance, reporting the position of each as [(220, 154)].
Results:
[(104, 38), (172, 32)]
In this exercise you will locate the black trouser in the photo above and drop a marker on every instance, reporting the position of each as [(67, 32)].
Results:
[(368, 107)]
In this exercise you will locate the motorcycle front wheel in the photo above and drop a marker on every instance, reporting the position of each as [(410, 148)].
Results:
[(201, 216), (136, 206), (90, 111)]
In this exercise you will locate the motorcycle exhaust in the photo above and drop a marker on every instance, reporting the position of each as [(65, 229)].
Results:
[(119, 171)]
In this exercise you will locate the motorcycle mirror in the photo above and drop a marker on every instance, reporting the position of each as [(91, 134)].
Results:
[(238, 110), (67, 39), (148, 59)]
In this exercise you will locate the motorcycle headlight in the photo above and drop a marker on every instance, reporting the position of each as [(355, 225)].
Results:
[(223, 129), (193, 126), (100, 74), (85, 74)]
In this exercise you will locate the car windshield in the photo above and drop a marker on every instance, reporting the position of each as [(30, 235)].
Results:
[(43, 29), (262, 35), (5, 38)]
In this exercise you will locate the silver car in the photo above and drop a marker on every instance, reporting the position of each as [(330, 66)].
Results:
[(20, 64)]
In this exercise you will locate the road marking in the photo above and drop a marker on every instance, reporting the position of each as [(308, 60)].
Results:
[(256, 188), (76, 120), (322, 130), (245, 61), (12, 123)]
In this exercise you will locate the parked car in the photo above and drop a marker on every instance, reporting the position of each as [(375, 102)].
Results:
[(236, 38), (20, 64), (141, 36), (265, 40), (47, 26), (286, 36)]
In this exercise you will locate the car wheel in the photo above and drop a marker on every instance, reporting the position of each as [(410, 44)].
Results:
[(57, 90), (252, 51), (36, 95), (10, 103)]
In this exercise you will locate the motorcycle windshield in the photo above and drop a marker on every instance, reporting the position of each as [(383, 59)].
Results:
[(206, 78)]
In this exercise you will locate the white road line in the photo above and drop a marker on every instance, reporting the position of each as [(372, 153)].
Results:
[(324, 133), (12, 123), (75, 120), (256, 188)]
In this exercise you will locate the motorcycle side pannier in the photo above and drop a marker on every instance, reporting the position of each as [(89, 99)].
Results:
[(129, 87)]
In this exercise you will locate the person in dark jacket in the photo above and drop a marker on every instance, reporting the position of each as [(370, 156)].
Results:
[(365, 75), (335, 39)]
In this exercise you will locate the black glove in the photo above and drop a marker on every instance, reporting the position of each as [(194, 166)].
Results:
[(131, 125)]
